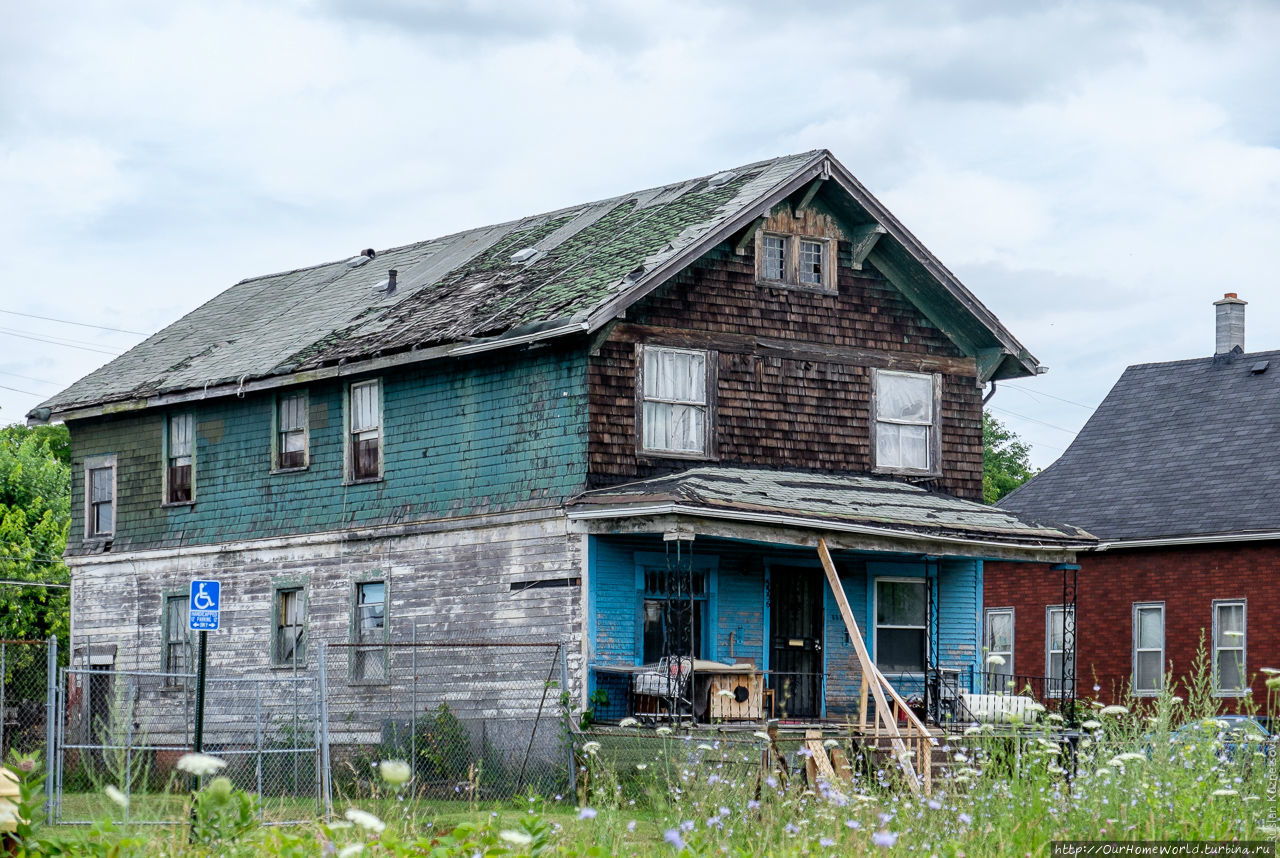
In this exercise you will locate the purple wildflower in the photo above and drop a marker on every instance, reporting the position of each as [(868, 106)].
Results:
[(587, 813), (673, 837), (826, 842), (884, 838), (631, 826), (687, 825), (966, 818), (752, 804)]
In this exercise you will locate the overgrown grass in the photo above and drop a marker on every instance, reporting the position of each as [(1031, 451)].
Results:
[(1124, 775)]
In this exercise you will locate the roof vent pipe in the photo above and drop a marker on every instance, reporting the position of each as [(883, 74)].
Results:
[(1230, 323), (391, 281)]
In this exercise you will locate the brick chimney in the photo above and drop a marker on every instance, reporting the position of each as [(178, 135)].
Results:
[(1230, 323)]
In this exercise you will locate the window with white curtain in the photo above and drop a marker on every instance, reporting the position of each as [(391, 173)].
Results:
[(365, 442), (906, 425), (1229, 677), (999, 646), (675, 418), (1148, 648)]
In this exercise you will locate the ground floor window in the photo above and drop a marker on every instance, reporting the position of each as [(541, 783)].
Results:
[(369, 658), (1060, 635), (674, 611), (1229, 646), (1148, 648), (998, 642), (176, 651), (290, 626), (901, 624)]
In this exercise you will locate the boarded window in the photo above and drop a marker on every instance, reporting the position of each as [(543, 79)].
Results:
[(773, 264), (370, 630), (177, 640), (1148, 648), (1229, 647), (291, 442), (290, 625), (901, 618), (812, 263), (1060, 630), (366, 430), (904, 420), (999, 647), (179, 472), (102, 489), (675, 400)]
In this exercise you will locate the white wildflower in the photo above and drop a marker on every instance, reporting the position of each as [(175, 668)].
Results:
[(364, 819), (591, 748), (761, 734), (1225, 791), (116, 796), (394, 772), (628, 722), (519, 838), (1102, 771), (1035, 707), (1055, 718), (640, 767), (1270, 671), (1091, 724), (995, 659), (702, 746), (972, 731), (1115, 709), (664, 731), (831, 743), (351, 850), (199, 764)]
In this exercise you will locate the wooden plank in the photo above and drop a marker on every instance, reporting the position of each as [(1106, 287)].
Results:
[(818, 764), (868, 667), (748, 237), (840, 763)]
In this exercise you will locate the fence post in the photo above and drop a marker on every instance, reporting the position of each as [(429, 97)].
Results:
[(413, 703), (326, 776), (50, 721), (564, 690)]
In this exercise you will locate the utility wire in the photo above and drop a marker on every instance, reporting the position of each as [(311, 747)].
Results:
[(13, 333), (35, 584), (1033, 420), (16, 390), (30, 378), (69, 322), (1034, 393)]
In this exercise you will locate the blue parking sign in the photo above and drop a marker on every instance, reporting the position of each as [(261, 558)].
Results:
[(205, 606)]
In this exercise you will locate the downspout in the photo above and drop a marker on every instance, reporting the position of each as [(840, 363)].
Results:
[(986, 398)]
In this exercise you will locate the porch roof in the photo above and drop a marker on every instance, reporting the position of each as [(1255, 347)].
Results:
[(877, 507)]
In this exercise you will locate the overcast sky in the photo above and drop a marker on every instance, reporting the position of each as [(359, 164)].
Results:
[(1097, 174)]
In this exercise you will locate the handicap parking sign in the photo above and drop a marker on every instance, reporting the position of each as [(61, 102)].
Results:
[(205, 606)]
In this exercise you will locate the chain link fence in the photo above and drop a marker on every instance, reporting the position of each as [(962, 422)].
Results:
[(127, 729), (24, 683), (475, 719)]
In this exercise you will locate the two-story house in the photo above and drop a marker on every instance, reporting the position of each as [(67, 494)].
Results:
[(625, 424)]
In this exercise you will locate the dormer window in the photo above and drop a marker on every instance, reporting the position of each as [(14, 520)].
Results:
[(795, 261)]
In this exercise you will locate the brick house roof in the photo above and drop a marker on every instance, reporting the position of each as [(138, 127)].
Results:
[(1179, 449)]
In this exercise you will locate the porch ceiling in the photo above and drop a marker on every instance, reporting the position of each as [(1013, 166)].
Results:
[(871, 509)]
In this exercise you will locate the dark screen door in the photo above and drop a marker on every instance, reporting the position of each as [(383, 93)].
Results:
[(795, 634)]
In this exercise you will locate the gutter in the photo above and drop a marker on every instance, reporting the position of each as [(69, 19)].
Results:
[(811, 523), (1172, 541), (40, 416)]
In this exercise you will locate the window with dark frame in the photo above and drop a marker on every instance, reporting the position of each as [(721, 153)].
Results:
[(657, 623), (901, 625), (905, 421), (366, 430), (290, 624), (291, 440), (370, 631), (102, 489), (179, 467), (675, 413), (177, 640)]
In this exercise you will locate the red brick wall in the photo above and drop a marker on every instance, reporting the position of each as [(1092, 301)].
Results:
[(774, 411), (1186, 579)]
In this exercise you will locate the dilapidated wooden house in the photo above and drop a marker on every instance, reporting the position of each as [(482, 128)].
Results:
[(624, 424)]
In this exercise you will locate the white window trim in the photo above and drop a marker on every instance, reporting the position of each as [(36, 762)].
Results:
[(791, 274), (276, 430), (710, 359), (1245, 689), (94, 463), (164, 459), (986, 640), (935, 427), (1133, 683), (349, 465), (1048, 653), (875, 614)]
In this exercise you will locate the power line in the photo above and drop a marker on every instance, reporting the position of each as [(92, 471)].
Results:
[(35, 584), (1033, 420), (69, 322), (30, 378), (1034, 393), (54, 342), (16, 390)]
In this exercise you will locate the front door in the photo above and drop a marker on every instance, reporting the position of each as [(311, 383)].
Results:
[(795, 634)]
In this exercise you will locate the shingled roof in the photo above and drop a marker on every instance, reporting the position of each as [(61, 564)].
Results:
[(1180, 449), (564, 272), (857, 503)]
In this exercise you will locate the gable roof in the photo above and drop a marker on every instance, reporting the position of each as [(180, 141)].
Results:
[(563, 272), (1185, 449), (853, 503)]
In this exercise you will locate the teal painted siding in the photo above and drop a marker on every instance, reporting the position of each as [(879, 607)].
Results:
[(741, 603), (487, 435), (959, 612)]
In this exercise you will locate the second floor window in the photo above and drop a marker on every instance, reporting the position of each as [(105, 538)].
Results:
[(366, 430), (905, 421), (179, 471), (795, 261), (676, 414), (100, 489), (291, 429)]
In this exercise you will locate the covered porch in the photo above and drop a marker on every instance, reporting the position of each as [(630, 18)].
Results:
[(710, 599)]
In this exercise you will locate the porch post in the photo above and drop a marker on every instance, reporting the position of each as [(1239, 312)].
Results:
[(1068, 690)]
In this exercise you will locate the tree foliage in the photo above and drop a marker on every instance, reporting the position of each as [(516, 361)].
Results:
[(35, 516), (1006, 460)]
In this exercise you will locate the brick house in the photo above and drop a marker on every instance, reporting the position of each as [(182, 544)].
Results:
[(1175, 473), (624, 424)]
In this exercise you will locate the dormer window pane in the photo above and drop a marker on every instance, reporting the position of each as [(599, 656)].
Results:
[(775, 258), (812, 262)]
